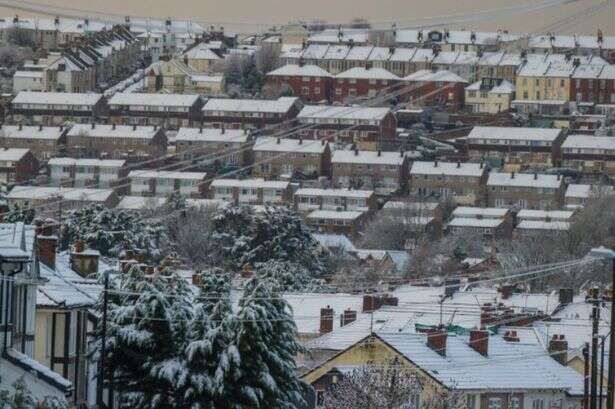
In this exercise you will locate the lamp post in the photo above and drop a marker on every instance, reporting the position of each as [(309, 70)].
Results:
[(608, 254)]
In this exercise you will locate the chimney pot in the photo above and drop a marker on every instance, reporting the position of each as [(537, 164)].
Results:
[(566, 295), (278, 141), (512, 175), (511, 336)]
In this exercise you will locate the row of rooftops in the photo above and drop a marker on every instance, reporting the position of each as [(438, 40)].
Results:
[(468, 37), (369, 53), (362, 73)]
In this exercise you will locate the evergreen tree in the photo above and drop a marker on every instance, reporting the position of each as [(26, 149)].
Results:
[(275, 234), (111, 231), (211, 357), (20, 214), (266, 342), (22, 398), (144, 353), (290, 277)]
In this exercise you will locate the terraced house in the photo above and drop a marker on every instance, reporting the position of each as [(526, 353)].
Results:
[(43, 141), (516, 147), (214, 145), (251, 113), (462, 182), (282, 156), (370, 128), (56, 108), (525, 190), (130, 142), (308, 82), (164, 110), (589, 154)]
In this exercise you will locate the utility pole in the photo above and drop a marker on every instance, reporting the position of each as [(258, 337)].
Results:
[(101, 361), (601, 399), (593, 403), (611, 382), (586, 376)]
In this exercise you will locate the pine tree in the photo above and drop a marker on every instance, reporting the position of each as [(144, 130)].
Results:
[(211, 357), (20, 214), (266, 342), (144, 354), (22, 398)]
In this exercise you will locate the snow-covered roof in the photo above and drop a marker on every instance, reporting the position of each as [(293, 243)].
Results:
[(59, 291), (56, 98), (315, 51), (201, 51), (272, 144), (28, 74), (31, 132), (308, 70), (165, 174), (578, 191), (543, 225), (505, 87), (141, 100), (373, 73), (475, 222), (494, 134), (437, 76), (253, 183), (338, 241), (350, 193), (211, 135), (533, 180), (12, 154), (589, 142), (359, 53), (281, 105), (336, 52), (508, 365), (140, 202), (587, 71), (529, 214), (347, 113), (333, 35), (402, 205), (367, 157), (335, 214), (447, 168), (490, 212), (42, 193), (103, 163), (113, 131)]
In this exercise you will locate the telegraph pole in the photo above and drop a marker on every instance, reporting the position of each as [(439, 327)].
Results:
[(101, 361), (593, 403), (586, 376), (601, 400), (611, 383)]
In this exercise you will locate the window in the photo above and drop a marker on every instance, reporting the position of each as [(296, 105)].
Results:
[(538, 404), (496, 403), (515, 403), (471, 402), (320, 398)]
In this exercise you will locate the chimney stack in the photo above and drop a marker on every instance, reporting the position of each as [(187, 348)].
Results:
[(512, 175), (46, 243), (511, 336), (371, 303), (326, 320), (558, 349), (436, 340), (278, 141), (479, 341), (566, 295), (507, 291), (348, 317), (84, 261)]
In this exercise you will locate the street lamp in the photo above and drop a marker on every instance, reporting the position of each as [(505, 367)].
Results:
[(608, 254)]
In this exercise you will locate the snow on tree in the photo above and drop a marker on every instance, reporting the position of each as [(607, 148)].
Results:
[(146, 330), (212, 359), (389, 385), (21, 398), (267, 345), (111, 231), (247, 237), (289, 277), (19, 214)]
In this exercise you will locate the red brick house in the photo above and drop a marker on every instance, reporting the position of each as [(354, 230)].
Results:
[(593, 83), (17, 165), (308, 82), (361, 83), (426, 87), (250, 113), (369, 127)]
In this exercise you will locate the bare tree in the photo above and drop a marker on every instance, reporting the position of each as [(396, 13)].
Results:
[(267, 58), (386, 386)]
